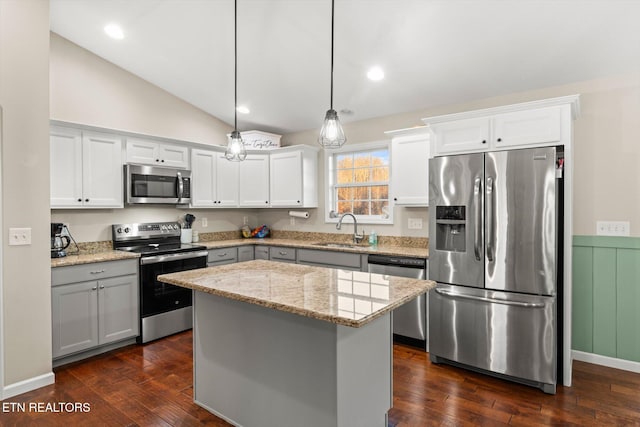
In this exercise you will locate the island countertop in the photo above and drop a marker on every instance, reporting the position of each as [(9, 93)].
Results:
[(349, 298)]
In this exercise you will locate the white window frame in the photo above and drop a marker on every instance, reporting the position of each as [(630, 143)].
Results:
[(329, 177)]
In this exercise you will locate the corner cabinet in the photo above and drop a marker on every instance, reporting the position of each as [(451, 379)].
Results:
[(293, 177), (410, 166), (86, 169), (532, 124), (93, 305)]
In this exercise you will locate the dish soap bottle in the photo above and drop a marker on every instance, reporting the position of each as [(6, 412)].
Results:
[(373, 239)]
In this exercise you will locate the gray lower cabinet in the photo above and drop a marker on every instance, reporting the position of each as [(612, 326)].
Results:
[(87, 314), (222, 256), (332, 259), (245, 253), (282, 254), (261, 252)]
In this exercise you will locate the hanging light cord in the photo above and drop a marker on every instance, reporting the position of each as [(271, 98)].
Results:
[(235, 65), (332, 8)]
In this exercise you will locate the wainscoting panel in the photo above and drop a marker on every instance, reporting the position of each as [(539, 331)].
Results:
[(606, 296)]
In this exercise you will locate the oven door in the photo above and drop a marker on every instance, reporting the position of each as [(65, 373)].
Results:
[(149, 184), (158, 297)]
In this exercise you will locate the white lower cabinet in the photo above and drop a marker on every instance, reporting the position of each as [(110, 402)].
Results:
[(87, 314)]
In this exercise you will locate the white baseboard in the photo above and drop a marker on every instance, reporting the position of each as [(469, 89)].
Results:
[(28, 385), (611, 362)]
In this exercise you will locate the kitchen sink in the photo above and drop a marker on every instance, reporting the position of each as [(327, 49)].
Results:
[(340, 245)]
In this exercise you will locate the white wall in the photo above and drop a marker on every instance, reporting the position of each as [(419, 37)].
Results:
[(26, 271), (607, 152)]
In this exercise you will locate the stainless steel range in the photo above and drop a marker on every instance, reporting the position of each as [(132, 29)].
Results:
[(164, 309)]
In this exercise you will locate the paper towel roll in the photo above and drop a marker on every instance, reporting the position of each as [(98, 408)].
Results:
[(299, 214)]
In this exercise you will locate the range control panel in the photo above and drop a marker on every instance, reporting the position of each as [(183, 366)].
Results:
[(145, 230)]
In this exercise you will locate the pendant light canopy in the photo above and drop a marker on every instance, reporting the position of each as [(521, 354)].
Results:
[(235, 151), (331, 134)]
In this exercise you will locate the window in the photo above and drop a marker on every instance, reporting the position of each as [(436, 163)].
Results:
[(358, 182)]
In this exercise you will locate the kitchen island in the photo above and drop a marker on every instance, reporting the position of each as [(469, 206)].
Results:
[(280, 344)]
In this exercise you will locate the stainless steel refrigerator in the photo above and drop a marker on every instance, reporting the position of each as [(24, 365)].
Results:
[(495, 239)]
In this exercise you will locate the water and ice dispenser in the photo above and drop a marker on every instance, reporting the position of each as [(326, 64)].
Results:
[(451, 224)]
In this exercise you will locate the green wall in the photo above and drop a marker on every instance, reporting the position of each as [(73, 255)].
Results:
[(606, 296)]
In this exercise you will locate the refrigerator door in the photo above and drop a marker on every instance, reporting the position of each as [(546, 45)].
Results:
[(521, 221), (496, 331), (456, 239)]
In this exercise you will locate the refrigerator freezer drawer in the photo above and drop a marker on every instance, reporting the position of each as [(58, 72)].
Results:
[(509, 334)]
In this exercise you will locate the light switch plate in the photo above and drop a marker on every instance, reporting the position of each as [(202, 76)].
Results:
[(19, 236), (415, 223), (204, 222), (612, 228)]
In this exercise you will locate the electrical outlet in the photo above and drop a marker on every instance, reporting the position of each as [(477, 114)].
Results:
[(204, 222), (415, 223), (245, 220), (612, 228), (292, 221), (19, 236)]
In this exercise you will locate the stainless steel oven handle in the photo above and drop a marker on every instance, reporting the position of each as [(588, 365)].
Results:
[(491, 300), (476, 218), (172, 257)]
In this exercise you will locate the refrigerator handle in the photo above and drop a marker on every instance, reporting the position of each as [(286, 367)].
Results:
[(490, 300), (490, 230), (476, 218)]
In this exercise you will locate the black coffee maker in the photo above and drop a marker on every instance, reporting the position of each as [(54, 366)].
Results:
[(58, 242)]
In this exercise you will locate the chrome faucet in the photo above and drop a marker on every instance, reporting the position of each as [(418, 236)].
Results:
[(357, 238)]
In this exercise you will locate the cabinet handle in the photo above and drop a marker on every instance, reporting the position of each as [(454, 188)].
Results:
[(101, 286), (79, 200), (298, 201), (484, 141), (157, 160), (395, 199), (267, 201), (96, 272), (282, 253), (86, 200), (162, 161), (94, 288), (221, 255), (499, 139)]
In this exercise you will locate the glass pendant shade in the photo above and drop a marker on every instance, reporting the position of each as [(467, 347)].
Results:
[(235, 151), (331, 134)]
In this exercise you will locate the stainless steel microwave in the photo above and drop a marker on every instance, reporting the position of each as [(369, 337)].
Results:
[(157, 185)]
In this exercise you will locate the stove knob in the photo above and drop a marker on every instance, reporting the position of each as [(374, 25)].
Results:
[(127, 229), (175, 226), (119, 230)]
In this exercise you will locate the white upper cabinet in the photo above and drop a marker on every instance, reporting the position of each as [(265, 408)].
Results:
[(86, 169), (410, 166), (227, 182), (214, 179), (293, 177), (532, 124), (147, 152), (254, 181)]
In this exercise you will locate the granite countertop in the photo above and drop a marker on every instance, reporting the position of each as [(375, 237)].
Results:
[(349, 298), (91, 257), (417, 252)]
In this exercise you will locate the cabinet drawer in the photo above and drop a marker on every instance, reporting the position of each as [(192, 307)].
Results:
[(224, 254), (261, 252), (329, 258), (93, 271), (282, 254)]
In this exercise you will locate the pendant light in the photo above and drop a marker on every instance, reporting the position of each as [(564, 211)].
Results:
[(331, 134), (235, 151)]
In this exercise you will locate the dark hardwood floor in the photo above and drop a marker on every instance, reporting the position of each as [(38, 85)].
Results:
[(151, 385)]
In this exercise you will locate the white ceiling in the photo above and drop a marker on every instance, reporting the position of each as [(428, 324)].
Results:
[(434, 52)]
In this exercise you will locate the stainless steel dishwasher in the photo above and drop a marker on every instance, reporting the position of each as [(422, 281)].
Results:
[(410, 320)]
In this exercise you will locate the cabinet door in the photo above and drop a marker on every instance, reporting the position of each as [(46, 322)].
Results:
[(174, 156), (285, 186), (254, 181), (245, 253), (541, 126), (66, 168), (261, 252), (102, 170), (461, 136), (410, 170), (118, 308), (203, 166), (143, 152), (227, 181), (222, 256), (75, 317)]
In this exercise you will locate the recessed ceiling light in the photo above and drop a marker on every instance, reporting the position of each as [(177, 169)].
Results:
[(114, 31), (375, 74), (243, 109)]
